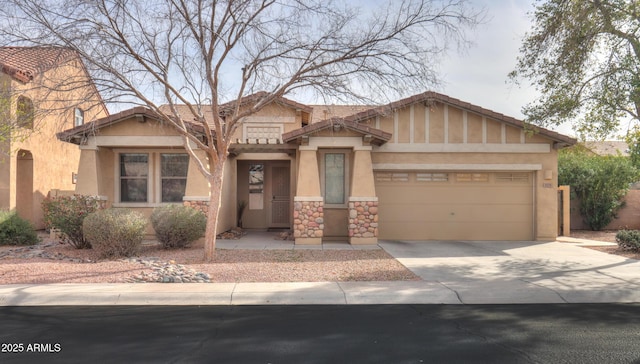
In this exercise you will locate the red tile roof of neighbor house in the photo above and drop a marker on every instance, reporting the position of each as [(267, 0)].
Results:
[(24, 63)]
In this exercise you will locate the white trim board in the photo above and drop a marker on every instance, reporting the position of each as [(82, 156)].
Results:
[(463, 148), (457, 167)]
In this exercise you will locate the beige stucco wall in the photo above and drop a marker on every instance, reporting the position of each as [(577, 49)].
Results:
[(98, 166), (460, 141), (53, 161), (273, 115), (628, 216)]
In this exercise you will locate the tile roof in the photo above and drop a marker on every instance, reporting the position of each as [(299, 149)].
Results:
[(379, 137), (322, 112), (141, 113), (256, 97), (24, 63), (75, 135), (430, 97), (608, 147)]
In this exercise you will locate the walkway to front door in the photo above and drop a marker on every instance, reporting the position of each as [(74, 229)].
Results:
[(266, 240)]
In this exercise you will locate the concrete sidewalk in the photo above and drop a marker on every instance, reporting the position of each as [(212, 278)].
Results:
[(453, 273)]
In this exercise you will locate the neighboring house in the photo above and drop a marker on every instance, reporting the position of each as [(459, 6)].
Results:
[(425, 167), (608, 147), (44, 90)]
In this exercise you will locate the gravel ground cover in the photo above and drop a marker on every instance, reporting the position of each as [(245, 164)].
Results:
[(606, 236), (52, 262)]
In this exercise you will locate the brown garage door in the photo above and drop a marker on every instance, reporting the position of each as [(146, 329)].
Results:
[(455, 205)]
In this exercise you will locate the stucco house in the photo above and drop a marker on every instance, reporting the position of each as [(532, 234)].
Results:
[(44, 90), (425, 167)]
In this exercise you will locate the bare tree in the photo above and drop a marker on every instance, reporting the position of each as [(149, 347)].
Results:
[(210, 54)]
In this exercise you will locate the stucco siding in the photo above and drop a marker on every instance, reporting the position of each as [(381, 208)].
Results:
[(459, 141), (53, 161)]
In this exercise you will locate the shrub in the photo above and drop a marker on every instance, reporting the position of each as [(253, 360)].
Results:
[(599, 182), (176, 226), (115, 232), (15, 230), (628, 240), (66, 213)]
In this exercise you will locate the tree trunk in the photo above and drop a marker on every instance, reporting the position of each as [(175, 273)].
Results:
[(215, 194)]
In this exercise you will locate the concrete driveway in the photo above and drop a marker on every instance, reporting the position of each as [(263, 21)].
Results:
[(521, 272)]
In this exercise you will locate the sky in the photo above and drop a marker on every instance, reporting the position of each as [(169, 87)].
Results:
[(480, 74)]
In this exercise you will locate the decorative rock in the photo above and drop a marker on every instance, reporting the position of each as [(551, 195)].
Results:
[(310, 222), (167, 272), (363, 219)]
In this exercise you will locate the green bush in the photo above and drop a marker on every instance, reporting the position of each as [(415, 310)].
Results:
[(115, 233), (66, 213), (628, 240), (15, 230), (599, 182), (176, 226)]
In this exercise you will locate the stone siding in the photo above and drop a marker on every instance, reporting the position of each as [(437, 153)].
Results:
[(363, 219), (198, 205), (308, 219)]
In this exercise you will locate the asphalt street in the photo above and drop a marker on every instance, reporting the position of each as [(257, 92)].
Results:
[(550, 333)]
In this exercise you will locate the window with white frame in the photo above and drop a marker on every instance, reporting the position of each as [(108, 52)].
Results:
[(173, 176), (134, 177), (335, 177), (78, 117), (152, 177)]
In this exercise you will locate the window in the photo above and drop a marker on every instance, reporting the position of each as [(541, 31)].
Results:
[(173, 176), (24, 112), (334, 176), (392, 177), (134, 176), (78, 117), (256, 186), (472, 177), (512, 177), (163, 173), (334, 182), (432, 177)]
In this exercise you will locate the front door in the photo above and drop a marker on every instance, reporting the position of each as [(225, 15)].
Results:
[(280, 181), (264, 190)]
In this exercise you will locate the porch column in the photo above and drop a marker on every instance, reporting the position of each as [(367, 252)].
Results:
[(308, 205), (363, 202), (196, 192), (88, 171)]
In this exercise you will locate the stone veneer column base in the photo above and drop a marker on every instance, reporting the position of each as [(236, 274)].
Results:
[(198, 203), (363, 220), (308, 220)]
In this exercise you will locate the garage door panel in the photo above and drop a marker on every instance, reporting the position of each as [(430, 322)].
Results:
[(456, 193), (490, 210), (474, 231), (454, 214)]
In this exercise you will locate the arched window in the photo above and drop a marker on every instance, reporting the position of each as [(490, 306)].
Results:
[(24, 112), (79, 117)]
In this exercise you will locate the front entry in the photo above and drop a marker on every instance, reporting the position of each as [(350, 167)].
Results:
[(264, 191)]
